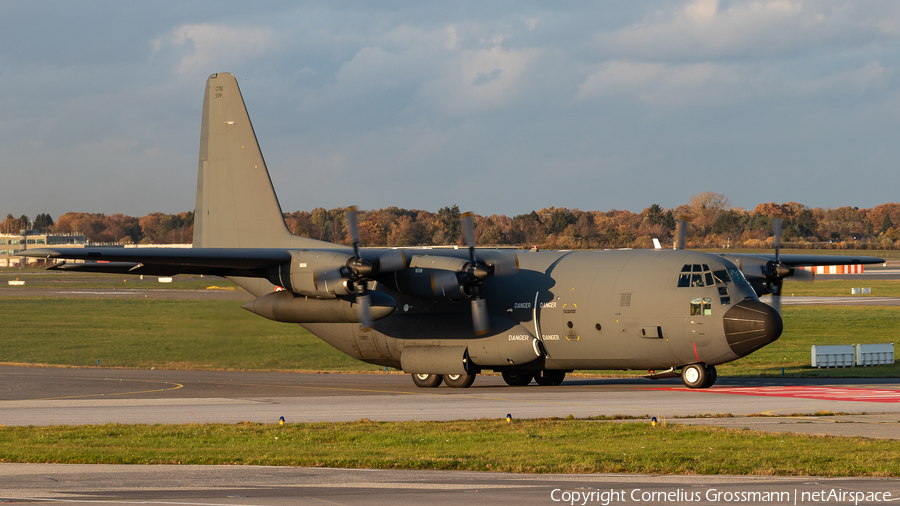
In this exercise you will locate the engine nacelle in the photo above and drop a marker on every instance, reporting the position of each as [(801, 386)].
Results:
[(287, 307), (419, 280), (319, 274)]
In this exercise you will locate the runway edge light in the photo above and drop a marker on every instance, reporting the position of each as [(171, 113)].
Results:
[(280, 420)]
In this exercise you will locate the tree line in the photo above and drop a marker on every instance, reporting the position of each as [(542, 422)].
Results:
[(713, 223)]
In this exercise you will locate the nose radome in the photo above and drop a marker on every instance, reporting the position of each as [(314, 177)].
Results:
[(750, 325)]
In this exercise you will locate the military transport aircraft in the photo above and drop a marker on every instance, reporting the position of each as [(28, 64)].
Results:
[(444, 315)]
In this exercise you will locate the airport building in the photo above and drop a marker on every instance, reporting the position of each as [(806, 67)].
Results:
[(11, 244)]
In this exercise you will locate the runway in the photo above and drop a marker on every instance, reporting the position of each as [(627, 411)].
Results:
[(276, 486), (858, 300), (54, 396)]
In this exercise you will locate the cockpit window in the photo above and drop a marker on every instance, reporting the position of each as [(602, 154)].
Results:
[(701, 276), (737, 276), (722, 276)]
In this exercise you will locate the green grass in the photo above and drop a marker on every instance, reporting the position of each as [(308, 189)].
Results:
[(841, 287), (143, 333), (530, 446), (42, 279)]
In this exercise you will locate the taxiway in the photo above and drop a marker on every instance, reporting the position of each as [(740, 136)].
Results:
[(59, 396)]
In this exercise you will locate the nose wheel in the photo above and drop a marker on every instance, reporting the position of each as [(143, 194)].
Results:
[(698, 375)]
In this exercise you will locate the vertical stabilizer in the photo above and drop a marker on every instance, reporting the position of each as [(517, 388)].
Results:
[(236, 203)]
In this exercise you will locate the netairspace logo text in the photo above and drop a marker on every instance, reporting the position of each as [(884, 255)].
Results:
[(637, 496)]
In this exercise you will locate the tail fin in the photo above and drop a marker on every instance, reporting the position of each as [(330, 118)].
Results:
[(236, 203)]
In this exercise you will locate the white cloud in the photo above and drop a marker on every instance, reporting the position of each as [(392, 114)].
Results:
[(853, 81), (714, 83), (208, 48), (480, 80), (704, 29), (661, 83)]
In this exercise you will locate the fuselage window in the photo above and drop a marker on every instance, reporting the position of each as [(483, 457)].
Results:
[(725, 300), (695, 307), (709, 279), (723, 290), (701, 307)]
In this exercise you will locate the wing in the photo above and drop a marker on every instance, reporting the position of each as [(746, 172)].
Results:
[(765, 272), (249, 262), (809, 260)]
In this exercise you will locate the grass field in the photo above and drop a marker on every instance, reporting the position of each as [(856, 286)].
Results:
[(36, 278), (162, 333), (531, 446), (841, 288), (206, 334)]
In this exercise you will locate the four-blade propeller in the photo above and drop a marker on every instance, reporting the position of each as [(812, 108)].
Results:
[(775, 271), (361, 270)]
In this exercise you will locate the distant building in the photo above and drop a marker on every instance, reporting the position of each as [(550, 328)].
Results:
[(11, 244)]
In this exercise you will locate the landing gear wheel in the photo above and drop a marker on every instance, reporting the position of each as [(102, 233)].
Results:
[(516, 378), (459, 380), (694, 376), (549, 378), (710, 376), (427, 380)]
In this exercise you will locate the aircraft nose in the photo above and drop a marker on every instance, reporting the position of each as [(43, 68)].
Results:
[(750, 325)]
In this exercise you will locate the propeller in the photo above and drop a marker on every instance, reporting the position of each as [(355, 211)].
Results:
[(361, 270), (682, 232), (454, 278), (777, 270), (476, 274)]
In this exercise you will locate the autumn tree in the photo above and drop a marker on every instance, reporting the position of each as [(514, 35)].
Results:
[(449, 227)]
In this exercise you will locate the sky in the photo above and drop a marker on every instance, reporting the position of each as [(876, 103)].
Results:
[(497, 107)]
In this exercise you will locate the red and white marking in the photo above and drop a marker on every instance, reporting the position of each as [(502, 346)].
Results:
[(835, 269), (803, 392)]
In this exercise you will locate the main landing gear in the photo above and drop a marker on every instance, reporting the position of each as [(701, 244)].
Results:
[(435, 380), (698, 375), (543, 378), (512, 378)]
